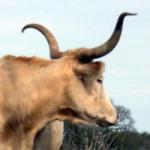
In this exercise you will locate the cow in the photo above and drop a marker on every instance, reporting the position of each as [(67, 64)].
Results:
[(35, 91)]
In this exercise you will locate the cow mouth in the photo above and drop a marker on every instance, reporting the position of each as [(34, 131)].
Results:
[(99, 122), (85, 118), (102, 123)]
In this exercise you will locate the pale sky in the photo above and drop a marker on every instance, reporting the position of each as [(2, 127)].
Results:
[(88, 23)]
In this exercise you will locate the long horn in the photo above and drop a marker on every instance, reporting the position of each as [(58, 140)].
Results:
[(53, 46), (108, 46)]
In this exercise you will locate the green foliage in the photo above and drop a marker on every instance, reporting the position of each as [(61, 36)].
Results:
[(85, 138), (126, 122), (132, 141)]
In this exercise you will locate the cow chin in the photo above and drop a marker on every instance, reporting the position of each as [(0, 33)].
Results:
[(86, 121), (96, 121)]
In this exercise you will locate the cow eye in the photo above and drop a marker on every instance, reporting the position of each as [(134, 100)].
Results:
[(84, 79), (80, 77), (100, 81)]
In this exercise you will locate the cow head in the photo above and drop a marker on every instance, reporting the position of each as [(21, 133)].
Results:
[(83, 95)]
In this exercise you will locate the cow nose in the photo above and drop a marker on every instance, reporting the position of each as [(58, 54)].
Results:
[(112, 123), (113, 119)]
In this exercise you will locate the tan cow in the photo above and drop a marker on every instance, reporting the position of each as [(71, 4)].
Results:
[(36, 91)]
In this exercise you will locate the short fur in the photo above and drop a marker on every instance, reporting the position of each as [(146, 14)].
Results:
[(28, 98)]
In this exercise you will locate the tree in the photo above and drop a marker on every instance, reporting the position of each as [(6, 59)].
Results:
[(125, 122)]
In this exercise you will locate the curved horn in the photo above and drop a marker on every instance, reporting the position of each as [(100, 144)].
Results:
[(108, 46), (53, 46)]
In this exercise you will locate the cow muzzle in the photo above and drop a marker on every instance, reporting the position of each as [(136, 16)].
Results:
[(108, 120)]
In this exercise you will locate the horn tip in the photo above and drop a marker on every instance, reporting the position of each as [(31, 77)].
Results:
[(23, 29), (27, 26), (128, 14)]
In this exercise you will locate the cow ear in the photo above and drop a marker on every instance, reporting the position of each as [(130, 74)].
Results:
[(92, 69)]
